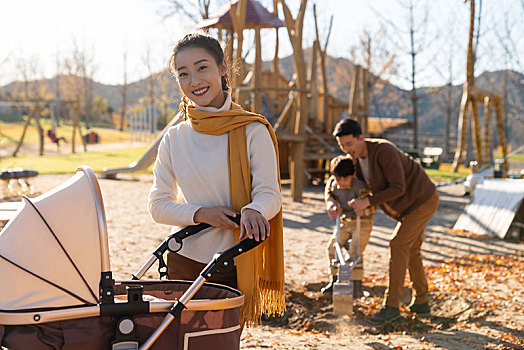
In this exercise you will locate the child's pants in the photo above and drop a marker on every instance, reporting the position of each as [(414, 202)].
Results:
[(347, 227)]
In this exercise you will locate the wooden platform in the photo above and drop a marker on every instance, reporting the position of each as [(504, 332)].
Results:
[(8, 211)]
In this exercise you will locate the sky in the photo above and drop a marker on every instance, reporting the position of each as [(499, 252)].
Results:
[(39, 31)]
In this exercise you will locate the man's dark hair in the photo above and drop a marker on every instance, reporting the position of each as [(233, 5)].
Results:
[(341, 166), (347, 126)]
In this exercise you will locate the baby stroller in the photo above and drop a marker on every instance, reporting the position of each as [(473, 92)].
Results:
[(57, 290)]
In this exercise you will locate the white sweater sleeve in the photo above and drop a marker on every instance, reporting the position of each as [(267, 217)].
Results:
[(163, 203), (266, 197)]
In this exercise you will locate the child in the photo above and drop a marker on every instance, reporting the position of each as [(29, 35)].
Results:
[(220, 161), (342, 187), (52, 136)]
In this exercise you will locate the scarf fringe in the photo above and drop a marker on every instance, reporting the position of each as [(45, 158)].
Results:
[(268, 299)]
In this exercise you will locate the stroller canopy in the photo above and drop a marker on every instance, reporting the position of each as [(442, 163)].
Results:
[(52, 253)]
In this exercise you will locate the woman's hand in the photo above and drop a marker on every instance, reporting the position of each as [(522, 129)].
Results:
[(253, 225), (216, 217)]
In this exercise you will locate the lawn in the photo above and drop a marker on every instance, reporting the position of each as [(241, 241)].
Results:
[(444, 173), (11, 132), (121, 157), (59, 164)]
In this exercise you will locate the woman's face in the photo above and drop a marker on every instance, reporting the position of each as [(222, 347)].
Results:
[(199, 77)]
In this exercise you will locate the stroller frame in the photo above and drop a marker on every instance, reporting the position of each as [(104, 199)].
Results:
[(134, 305)]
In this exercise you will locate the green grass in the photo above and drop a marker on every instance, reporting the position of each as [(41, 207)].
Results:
[(59, 164), (518, 157), (13, 131), (444, 173)]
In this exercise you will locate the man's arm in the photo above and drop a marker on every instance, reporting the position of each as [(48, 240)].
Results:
[(390, 164), (390, 167)]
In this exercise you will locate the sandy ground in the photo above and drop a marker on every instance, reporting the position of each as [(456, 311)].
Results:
[(477, 283)]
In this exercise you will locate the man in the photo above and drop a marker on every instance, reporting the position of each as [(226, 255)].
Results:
[(403, 190)]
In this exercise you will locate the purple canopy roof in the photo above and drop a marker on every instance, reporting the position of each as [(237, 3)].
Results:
[(256, 16)]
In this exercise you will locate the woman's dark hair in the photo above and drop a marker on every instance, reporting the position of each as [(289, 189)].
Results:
[(347, 126), (206, 42), (341, 166)]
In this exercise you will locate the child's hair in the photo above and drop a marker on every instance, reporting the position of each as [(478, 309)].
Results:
[(206, 42), (341, 166)]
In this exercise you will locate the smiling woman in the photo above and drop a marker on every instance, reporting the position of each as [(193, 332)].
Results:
[(219, 162)]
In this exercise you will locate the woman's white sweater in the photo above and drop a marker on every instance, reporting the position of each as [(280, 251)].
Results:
[(191, 171)]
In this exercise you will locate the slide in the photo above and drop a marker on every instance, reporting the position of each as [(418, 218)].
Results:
[(147, 159)]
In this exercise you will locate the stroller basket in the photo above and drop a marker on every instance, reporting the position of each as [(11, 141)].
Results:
[(58, 293)]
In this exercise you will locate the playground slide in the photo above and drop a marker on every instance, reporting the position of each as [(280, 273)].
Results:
[(147, 159)]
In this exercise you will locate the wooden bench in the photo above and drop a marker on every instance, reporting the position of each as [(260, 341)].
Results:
[(8, 211)]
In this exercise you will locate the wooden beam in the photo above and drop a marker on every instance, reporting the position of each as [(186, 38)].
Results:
[(287, 137), (295, 30), (256, 96), (34, 111), (286, 112)]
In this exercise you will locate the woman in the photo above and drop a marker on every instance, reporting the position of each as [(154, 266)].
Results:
[(220, 161)]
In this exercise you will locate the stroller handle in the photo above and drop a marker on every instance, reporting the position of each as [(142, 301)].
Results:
[(219, 260), (225, 259), (176, 237)]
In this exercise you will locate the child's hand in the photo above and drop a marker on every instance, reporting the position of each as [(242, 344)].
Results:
[(334, 209)]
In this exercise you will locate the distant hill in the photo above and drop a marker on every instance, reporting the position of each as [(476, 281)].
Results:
[(388, 100)]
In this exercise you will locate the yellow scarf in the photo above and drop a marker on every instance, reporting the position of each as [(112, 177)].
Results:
[(260, 272)]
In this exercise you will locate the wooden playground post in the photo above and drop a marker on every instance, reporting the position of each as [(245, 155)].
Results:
[(295, 29), (313, 88), (275, 67), (256, 94), (471, 95), (322, 52), (40, 133), (76, 125), (238, 18), (358, 97), (35, 110)]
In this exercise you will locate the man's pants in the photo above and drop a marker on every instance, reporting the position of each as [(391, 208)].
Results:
[(347, 228), (405, 254)]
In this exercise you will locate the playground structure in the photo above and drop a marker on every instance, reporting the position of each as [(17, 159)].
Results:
[(70, 108), (497, 209), (302, 112), (472, 95), (147, 159), (143, 123), (15, 182)]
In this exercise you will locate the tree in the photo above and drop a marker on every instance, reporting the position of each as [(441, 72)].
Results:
[(377, 60), (194, 10), (444, 96), (151, 77), (294, 28), (417, 42), (81, 68), (28, 69), (124, 94)]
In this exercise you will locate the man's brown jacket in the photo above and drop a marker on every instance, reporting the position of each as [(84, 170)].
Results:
[(398, 183)]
